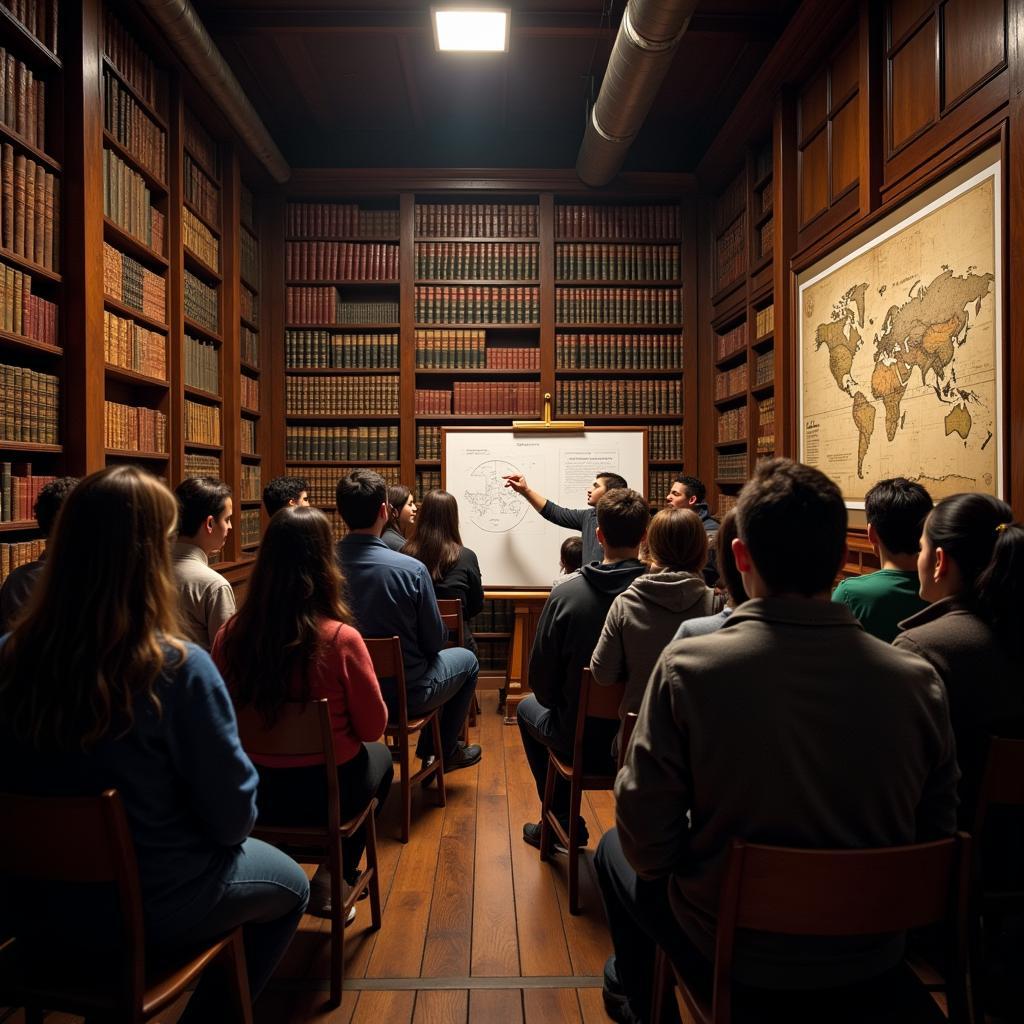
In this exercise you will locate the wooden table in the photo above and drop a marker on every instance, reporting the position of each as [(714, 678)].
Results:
[(527, 605)]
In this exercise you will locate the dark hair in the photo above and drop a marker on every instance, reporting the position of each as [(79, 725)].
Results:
[(398, 495), (570, 554), (275, 637), (612, 481), (897, 509), (359, 496), (727, 560), (436, 541), (676, 540), (793, 520), (282, 490), (978, 532), (694, 487), (50, 499), (199, 497), (623, 516)]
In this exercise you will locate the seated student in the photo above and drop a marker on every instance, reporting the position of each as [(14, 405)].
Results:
[(582, 519), (293, 641), (570, 558), (566, 634), (207, 600), (392, 594), (285, 492), (18, 587), (895, 510), (98, 692), (735, 595), (690, 492), (401, 517), (644, 617), (753, 733), (454, 569)]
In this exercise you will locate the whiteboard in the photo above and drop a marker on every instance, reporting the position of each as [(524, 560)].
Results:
[(516, 547)]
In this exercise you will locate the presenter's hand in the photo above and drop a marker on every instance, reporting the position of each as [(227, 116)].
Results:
[(517, 482)]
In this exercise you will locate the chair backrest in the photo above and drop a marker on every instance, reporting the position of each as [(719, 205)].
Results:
[(86, 840), (1003, 782), (626, 734), (595, 702), (386, 655), (301, 729), (451, 615)]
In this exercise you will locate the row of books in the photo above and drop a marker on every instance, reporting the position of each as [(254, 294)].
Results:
[(202, 364), (477, 304), (627, 398), (132, 126), (578, 220), (341, 261), (733, 424), (198, 464), (128, 202), (339, 220), (21, 553), (731, 253), (341, 396), (201, 303), (249, 304), (729, 383), (248, 436), (764, 368), (618, 305), (249, 526), (659, 483), (201, 145), (619, 351), (19, 490), (200, 239), (29, 209), (603, 261), (39, 17), (339, 444), (22, 100), (766, 425), (326, 350), (201, 192), (202, 423), (496, 616), (249, 253), (491, 654), (305, 305), (131, 428), (246, 207), (23, 313), (250, 342), (468, 350), (731, 203), (731, 466), (477, 260), (428, 443), (29, 405), (726, 502), (763, 198), (129, 282), (664, 441), (427, 480), (433, 402), (134, 347), (476, 220), (323, 481), (131, 61), (495, 398), (766, 238), (250, 392), (764, 321), (513, 357), (251, 488), (731, 342)]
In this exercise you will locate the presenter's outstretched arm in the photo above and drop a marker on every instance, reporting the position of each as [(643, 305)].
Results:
[(518, 484)]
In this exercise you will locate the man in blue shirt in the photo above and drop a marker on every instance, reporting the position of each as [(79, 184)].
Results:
[(392, 594)]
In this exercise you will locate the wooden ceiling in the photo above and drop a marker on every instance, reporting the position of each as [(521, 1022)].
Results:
[(358, 84)]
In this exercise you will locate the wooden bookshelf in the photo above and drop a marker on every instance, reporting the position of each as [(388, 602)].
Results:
[(252, 385)]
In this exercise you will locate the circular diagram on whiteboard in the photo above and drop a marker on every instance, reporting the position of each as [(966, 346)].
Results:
[(491, 505)]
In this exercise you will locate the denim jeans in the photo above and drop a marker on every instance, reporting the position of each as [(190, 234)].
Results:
[(450, 680)]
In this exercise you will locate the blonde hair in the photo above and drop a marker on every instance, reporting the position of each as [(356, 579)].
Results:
[(676, 540)]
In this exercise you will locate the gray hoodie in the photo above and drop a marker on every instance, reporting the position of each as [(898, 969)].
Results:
[(640, 622)]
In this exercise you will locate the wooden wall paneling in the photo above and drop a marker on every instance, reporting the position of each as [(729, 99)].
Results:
[(870, 114), (786, 184), (546, 265), (693, 287), (272, 311), (914, 83), (1013, 168), (407, 338), (974, 45), (231, 361), (176, 278)]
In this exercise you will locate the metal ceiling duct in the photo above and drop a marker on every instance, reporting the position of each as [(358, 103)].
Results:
[(186, 33), (644, 47)]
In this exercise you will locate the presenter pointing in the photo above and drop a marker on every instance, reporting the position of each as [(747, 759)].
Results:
[(582, 519)]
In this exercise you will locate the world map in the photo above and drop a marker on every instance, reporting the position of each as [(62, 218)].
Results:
[(493, 506), (899, 377)]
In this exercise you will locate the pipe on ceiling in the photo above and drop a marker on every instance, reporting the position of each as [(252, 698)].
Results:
[(186, 33), (644, 48)]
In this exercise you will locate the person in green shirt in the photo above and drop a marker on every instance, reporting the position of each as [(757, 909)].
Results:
[(896, 510)]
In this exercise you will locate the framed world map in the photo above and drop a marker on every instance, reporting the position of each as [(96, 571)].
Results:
[(900, 345)]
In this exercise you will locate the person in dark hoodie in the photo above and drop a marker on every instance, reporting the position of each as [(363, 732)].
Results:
[(690, 492), (569, 627)]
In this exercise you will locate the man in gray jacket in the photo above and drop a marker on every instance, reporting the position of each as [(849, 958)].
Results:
[(789, 726)]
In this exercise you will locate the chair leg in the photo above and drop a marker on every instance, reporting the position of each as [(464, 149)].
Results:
[(546, 839), (575, 798), (435, 726), (371, 865), (662, 985), (238, 978), (337, 924), (403, 763)]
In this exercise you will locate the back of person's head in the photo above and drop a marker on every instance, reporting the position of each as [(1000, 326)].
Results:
[(50, 500), (897, 509), (978, 532), (792, 519), (623, 517), (295, 585), (283, 491), (398, 495), (359, 496), (570, 554), (693, 486), (676, 540), (199, 498), (612, 481), (436, 541), (727, 569), (100, 627)]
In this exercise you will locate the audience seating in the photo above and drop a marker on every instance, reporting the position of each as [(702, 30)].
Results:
[(834, 893), (46, 841), (386, 655), (451, 615), (595, 702), (304, 729)]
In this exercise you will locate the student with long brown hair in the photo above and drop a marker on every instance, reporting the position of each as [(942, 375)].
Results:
[(401, 517), (98, 691), (293, 640)]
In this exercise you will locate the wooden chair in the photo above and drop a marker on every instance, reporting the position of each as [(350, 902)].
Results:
[(386, 655), (451, 615), (86, 840), (832, 893), (595, 702), (625, 735), (304, 730)]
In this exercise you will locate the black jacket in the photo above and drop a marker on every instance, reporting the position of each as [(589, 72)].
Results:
[(462, 580)]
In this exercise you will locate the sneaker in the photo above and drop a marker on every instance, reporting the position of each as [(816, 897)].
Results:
[(320, 896), (616, 1002), (466, 755), (531, 835)]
